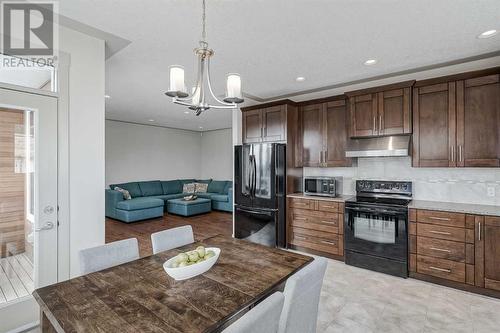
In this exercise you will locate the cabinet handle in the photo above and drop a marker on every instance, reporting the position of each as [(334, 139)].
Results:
[(479, 230), (380, 123), (299, 237), (327, 242), (299, 218), (442, 250), (453, 153), (439, 218), (440, 269), (460, 155), (374, 124), (440, 232), (320, 157)]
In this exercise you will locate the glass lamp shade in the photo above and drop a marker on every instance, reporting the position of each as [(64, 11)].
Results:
[(177, 87), (233, 89)]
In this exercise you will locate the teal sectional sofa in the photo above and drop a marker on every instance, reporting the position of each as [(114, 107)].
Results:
[(150, 198)]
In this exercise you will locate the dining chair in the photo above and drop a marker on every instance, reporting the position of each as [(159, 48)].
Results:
[(172, 238), (263, 318), (112, 254), (302, 291)]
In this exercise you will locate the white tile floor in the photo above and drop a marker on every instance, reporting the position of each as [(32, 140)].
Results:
[(358, 300)]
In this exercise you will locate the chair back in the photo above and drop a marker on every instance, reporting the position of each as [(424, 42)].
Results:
[(172, 238), (302, 292), (112, 254), (263, 318)]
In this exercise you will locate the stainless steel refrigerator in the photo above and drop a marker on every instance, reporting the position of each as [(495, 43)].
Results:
[(260, 192)]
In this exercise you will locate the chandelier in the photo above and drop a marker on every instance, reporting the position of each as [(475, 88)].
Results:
[(197, 101)]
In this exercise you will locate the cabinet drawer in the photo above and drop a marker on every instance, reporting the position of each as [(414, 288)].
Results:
[(441, 218), (439, 248), (442, 268), (328, 206), (300, 238), (315, 220), (315, 233), (302, 203), (441, 232)]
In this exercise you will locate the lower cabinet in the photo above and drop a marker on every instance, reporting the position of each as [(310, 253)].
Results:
[(455, 249), (316, 226)]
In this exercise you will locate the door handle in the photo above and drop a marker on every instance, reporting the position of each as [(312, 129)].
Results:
[(48, 225)]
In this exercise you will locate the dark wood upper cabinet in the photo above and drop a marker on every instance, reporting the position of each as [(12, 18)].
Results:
[(325, 133), (252, 126), (336, 123), (312, 134), (274, 123), (478, 122), (487, 252), (434, 125), (381, 111)]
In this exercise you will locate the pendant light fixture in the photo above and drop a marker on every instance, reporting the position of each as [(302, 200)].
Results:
[(197, 101)]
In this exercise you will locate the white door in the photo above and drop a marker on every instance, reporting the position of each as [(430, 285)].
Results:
[(28, 203)]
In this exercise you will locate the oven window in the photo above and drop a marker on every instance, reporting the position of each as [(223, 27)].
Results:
[(382, 231)]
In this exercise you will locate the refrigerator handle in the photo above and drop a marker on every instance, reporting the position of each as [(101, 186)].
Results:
[(249, 194), (254, 175)]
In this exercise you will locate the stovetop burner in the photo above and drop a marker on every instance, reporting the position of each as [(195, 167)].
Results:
[(380, 200), (379, 192)]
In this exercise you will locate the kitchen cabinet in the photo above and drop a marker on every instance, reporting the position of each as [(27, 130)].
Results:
[(316, 226), (380, 111), (264, 125), (488, 252), (325, 133), (456, 121), (478, 122)]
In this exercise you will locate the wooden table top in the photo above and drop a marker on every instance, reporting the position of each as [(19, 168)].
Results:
[(140, 297)]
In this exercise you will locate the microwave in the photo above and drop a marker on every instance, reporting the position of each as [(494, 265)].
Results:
[(323, 186)]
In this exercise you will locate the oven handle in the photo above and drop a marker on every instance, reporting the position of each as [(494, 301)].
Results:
[(379, 211)]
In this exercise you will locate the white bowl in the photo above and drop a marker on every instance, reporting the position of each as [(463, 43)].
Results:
[(187, 272)]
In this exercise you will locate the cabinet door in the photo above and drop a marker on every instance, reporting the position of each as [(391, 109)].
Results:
[(274, 123), (478, 122), (363, 114), (487, 249), (434, 126), (252, 126), (335, 134), (312, 127), (394, 112)]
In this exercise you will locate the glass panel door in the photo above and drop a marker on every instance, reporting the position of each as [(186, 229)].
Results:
[(28, 203)]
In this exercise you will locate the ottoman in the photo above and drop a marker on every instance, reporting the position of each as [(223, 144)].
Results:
[(189, 208)]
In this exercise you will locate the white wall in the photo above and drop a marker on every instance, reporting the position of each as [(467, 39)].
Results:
[(217, 155), (85, 142), (141, 152), (463, 185)]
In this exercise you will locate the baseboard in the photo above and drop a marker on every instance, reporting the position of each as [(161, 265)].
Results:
[(25, 328)]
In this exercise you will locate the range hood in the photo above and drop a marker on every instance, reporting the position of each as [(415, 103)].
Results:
[(398, 145)]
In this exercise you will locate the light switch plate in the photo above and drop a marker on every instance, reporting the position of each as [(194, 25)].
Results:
[(490, 190)]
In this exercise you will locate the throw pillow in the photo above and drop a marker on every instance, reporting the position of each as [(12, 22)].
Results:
[(201, 187), (126, 194), (188, 188)]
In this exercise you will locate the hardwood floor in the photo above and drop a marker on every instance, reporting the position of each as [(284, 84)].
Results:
[(204, 226)]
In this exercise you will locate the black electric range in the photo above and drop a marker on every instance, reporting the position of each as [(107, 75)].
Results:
[(376, 226)]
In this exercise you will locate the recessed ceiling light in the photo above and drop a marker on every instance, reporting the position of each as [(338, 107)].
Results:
[(186, 112), (370, 62), (201, 127), (300, 79), (488, 34), (151, 120), (107, 96)]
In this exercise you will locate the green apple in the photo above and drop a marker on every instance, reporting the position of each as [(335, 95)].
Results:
[(193, 256), (201, 251), (209, 254), (182, 257), (183, 264)]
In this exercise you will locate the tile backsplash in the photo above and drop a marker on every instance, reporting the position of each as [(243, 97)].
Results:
[(462, 185)]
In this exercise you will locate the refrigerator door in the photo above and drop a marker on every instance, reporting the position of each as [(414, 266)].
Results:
[(243, 175), (264, 176), (254, 225)]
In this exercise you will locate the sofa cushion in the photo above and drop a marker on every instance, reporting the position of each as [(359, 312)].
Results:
[(200, 187), (217, 186), (139, 203), (205, 195), (229, 184), (188, 188), (187, 181), (204, 181), (132, 188), (219, 197), (151, 188), (171, 186), (166, 197)]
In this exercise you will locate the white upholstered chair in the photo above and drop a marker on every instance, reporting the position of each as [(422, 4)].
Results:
[(302, 291), (172, 238), (263, 318), (112, 254)]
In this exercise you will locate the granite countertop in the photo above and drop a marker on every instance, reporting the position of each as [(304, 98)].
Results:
[(339, 198), (456, 207)]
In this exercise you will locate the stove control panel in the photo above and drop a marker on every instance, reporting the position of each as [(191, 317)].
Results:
[(380, 186)]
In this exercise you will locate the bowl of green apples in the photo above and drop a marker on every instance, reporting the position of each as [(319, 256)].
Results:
[(189, 264)]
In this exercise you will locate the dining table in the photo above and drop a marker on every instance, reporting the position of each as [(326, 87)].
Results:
[(139, 296)]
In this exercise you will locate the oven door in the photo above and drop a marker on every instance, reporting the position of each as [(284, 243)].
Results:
[(377, 231)]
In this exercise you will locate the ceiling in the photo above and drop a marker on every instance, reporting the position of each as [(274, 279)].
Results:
[(271, 42)]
